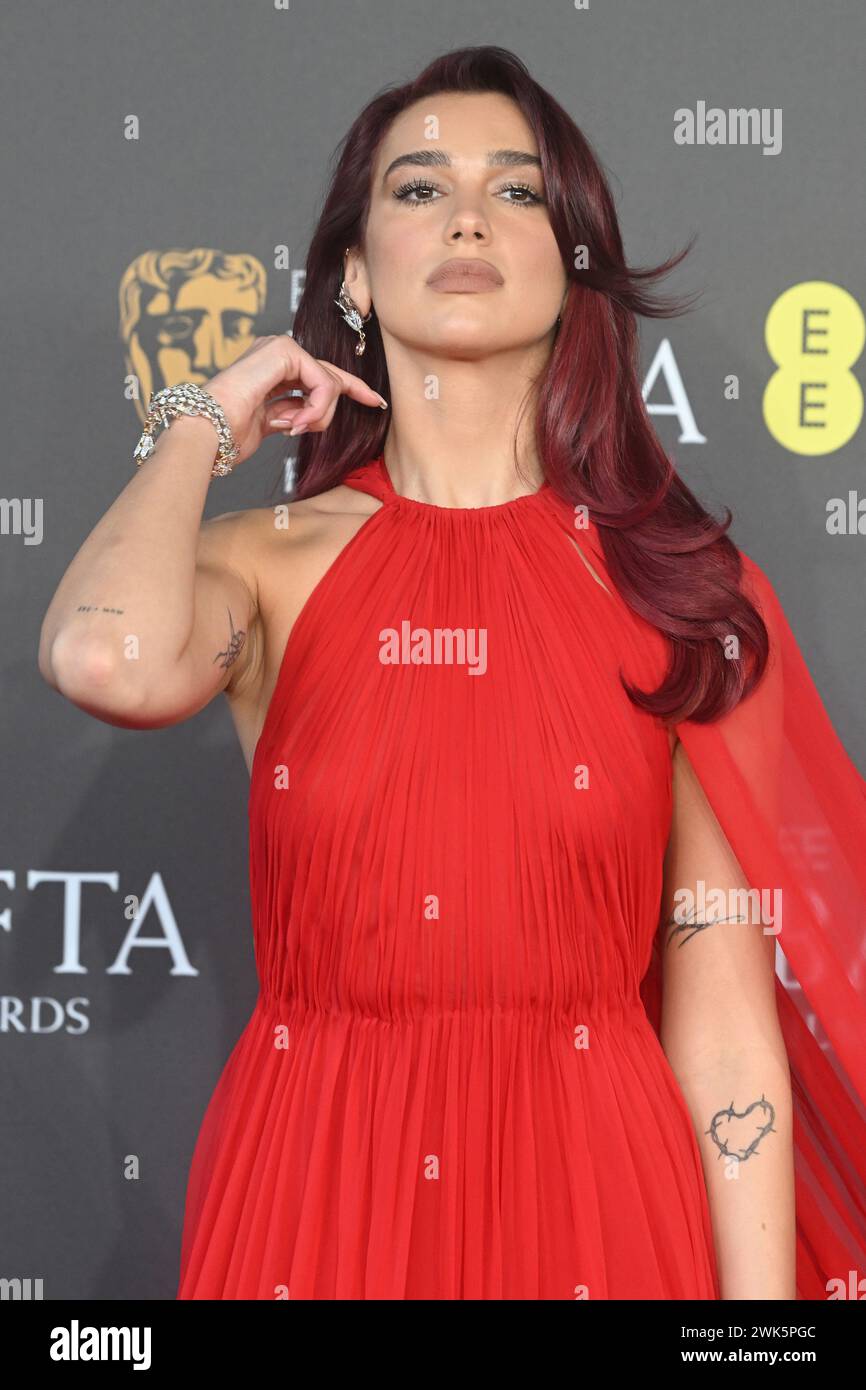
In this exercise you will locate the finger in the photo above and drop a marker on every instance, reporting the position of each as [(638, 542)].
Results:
[(278, 365), (286, 401), (353, 386), (322, 402), (311, 374), (318, 422), (319, 398), (280, 414)]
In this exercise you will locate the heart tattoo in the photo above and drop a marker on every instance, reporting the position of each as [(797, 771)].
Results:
[(745, 1138)]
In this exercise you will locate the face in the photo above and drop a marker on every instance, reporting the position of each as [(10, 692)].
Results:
[(459, 197)]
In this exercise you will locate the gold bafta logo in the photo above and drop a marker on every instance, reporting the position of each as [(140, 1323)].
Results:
[(185, 315)]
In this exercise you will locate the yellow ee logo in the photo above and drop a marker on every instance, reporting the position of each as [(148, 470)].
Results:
[(814, 333)]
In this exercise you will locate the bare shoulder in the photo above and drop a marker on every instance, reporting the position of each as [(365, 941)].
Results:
[(281, 551), (294, 544), (305, 530), (255, 543)]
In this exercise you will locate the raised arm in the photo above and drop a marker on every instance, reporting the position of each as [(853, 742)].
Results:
[(157, 613), (153, 617)]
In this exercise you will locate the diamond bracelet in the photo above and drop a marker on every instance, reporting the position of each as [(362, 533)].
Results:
[(187, 399)]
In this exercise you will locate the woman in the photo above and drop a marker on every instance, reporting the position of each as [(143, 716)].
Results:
[(522, 726)]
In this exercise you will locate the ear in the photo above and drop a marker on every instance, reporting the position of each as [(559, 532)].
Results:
[(355, 276)]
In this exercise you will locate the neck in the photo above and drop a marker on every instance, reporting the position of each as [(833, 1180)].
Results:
[(464, 446)]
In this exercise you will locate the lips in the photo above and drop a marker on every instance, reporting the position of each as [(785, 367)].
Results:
[(462, 275)]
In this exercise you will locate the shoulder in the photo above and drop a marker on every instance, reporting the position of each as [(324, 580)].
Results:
[(280, 552), (246, 541), (293, 543)]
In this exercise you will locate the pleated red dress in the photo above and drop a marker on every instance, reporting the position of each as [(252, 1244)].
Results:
[(450, 1087)]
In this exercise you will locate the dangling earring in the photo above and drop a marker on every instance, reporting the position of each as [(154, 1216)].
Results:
[(352, 314)]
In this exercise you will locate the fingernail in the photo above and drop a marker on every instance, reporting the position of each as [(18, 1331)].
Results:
[(281, 422), (384, 403), (298, 429)]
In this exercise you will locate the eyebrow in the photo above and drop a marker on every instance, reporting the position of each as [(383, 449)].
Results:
[(441, 159)]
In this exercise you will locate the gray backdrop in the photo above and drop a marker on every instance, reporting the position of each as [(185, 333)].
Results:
[(207, 126)]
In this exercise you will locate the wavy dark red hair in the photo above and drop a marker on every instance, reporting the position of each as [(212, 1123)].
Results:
[(670, 560)]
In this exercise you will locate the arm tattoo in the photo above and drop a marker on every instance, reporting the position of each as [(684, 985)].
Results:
[(232, 651), (96, 608), (694, 927), (737, 1140)]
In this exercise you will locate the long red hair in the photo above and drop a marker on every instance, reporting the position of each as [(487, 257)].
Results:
[(670, 560)]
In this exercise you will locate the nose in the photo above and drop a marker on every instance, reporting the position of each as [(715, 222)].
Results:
[(466, 223)]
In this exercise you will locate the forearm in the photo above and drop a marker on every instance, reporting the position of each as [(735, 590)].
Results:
[(130, 590), (742, 1113)]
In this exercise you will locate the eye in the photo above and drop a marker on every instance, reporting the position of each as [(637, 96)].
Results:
[(531, 200), (407, 191), (415, 186)]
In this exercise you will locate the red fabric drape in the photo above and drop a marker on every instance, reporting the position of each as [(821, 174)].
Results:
[(793, 807)]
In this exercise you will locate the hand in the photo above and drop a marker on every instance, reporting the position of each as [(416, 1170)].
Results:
[(247, 392)]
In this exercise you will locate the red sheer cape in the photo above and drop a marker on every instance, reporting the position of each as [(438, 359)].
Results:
[(793, 807)]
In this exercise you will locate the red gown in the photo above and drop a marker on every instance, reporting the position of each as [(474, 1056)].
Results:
[(451, 1085)]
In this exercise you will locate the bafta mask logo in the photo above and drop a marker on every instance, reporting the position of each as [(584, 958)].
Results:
[(185, 315)]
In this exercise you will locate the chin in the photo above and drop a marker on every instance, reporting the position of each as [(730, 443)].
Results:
[(467, 345)]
